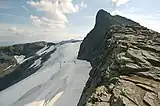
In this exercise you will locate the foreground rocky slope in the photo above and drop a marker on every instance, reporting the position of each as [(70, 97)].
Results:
[(126, 65)]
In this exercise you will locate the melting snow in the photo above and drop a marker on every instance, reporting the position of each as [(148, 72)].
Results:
[(36, 63), (10, 67), (20, 59), (59, 82), (45, 50)]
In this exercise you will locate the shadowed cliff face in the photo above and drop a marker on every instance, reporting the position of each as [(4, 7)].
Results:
[(126, 63), (97, 35)]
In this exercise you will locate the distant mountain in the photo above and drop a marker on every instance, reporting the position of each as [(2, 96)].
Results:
[(126, 63), (42, 73), (15, 61)]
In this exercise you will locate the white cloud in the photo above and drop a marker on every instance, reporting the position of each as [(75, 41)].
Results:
[(120, 2), (115, 12), (66, 6), (56, 12), (13, 33), (46, 22), (151, 21), (126, 10), (15, 30), (19, 31)]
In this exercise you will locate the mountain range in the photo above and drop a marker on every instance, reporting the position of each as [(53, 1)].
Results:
[(117, 64)]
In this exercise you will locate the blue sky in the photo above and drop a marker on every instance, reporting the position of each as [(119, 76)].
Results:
[(55, 20)]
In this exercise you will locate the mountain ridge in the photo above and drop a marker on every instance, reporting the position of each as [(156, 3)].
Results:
[(125, 60), (103, 22), (126, 65)]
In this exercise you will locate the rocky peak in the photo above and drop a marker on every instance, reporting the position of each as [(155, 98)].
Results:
[(102, 19), (126, 66), (97, 35)]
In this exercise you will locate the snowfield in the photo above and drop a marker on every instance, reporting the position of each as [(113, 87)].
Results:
[(59, 82)]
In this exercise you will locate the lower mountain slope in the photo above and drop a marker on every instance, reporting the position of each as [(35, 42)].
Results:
[(126, 68)]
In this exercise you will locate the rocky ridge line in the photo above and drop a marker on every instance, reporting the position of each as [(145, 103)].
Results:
[(126, 67)]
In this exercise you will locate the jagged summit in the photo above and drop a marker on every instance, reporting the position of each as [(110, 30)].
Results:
[(104, 18), (126, 63), (96, 37)]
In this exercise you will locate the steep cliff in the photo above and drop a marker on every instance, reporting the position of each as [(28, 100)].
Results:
[(96, 37), (126, 63)]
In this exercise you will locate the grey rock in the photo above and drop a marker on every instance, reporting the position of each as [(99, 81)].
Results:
[(125, 57)]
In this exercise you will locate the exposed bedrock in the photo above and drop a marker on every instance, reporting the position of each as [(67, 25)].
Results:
[(126, 63)]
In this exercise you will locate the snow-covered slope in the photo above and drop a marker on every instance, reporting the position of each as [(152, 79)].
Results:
[(59, 82)]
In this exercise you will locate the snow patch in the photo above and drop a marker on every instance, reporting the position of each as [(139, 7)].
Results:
[(9, 67), (36, 63), (41, 51), (20, 59), (45, 50)]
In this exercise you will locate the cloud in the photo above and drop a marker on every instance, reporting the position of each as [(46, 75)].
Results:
[(115, 12), (151, 21), (120, 2), (65, 6), (12, 33), (56, 12), (46, 22), (15, 30), (19, 31)]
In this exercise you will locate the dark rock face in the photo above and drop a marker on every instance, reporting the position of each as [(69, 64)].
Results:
[(126, 65), (27, 49), (16, 72), (95, 38)]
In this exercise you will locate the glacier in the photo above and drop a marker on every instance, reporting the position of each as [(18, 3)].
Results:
[(59, 82)]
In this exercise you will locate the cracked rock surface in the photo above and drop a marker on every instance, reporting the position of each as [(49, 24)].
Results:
[(126, 67)]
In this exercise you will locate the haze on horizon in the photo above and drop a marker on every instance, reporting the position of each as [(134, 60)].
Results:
[(56, 20)]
